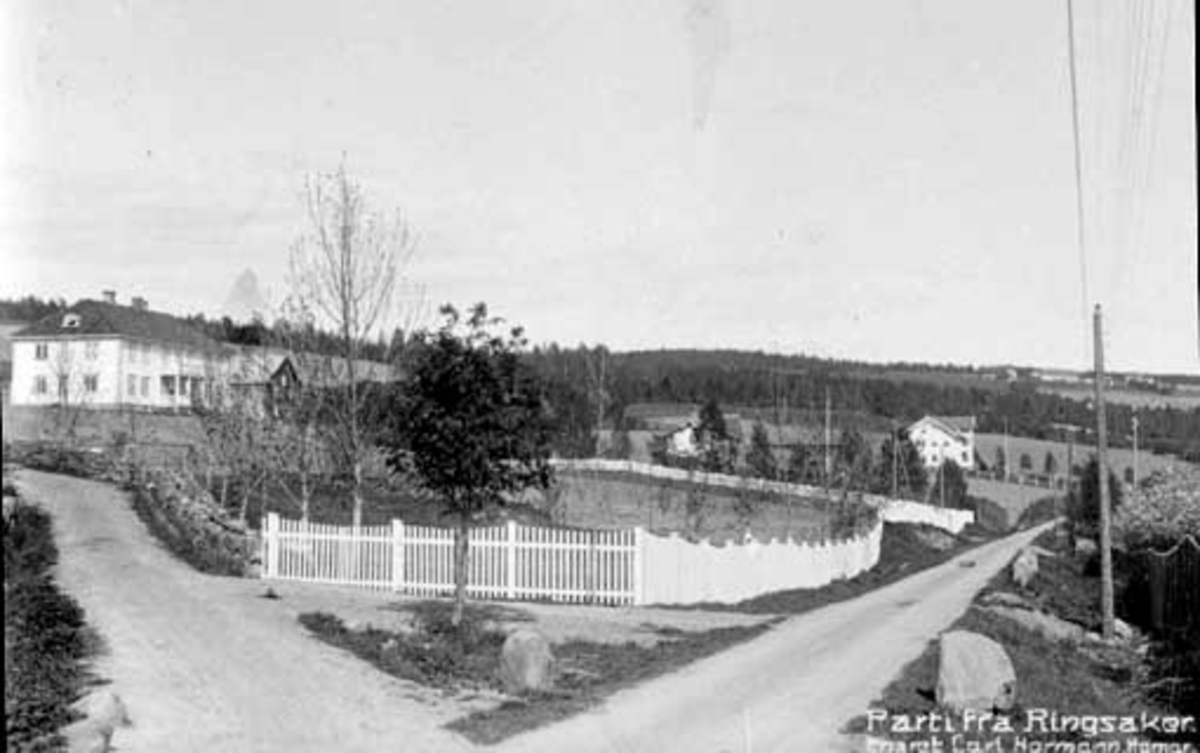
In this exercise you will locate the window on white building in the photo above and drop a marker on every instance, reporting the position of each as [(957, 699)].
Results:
[(131, 385), (91, 350), (41, 351), (39, 385), (167, 385), (145, 386), (71, 321), (91, 382)]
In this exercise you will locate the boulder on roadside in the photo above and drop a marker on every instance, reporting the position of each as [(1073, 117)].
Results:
[(526, 662), (1050, 627), (974, 672), (103, 711), (1024, 567), (1004, 599)]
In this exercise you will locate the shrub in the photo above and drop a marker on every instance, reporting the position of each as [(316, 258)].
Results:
[(45, 638)]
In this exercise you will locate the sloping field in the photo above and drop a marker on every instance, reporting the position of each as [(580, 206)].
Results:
[(593, 499), (1118, 458)]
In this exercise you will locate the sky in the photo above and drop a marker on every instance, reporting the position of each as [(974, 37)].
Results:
[(887, 180)]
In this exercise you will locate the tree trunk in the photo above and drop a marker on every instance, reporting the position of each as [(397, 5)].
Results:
[(461, 554), (358, 499)]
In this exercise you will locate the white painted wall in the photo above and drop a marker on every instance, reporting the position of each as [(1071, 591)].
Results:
[(904, 511), (75, 361)]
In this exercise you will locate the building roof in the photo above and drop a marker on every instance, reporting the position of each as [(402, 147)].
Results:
[(952, 425), (111, 319)]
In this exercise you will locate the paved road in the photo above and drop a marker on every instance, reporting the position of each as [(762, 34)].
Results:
[(204, 663), (793, 688)]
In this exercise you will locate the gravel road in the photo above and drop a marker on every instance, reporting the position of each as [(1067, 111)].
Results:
[(793, 688), (204, 663)]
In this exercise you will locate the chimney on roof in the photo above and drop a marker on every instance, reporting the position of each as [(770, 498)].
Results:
[(138, 303), (110, 296)]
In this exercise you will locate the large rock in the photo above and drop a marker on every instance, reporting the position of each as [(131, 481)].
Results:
[(103, 712), (1024, 567), (974, 672), (1049, 626), (526, 662)]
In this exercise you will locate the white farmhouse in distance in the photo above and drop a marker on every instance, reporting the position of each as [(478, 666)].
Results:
[(941, 438)]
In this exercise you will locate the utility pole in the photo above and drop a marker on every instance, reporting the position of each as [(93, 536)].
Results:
[(1106, 575), (1007, 457), (828, 441), (895, 458), (1136, 475)]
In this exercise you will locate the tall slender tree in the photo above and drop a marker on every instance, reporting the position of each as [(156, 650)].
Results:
[(345, 270)]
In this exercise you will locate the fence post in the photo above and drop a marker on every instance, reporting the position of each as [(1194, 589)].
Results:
[(510, 565), (639, 563), (397, 555), (271, 541)]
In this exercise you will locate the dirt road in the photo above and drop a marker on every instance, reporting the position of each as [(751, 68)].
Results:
[(792, 689), (204, 663)]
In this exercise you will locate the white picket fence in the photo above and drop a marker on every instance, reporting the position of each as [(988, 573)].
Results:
[(516, 562), (505, 562)]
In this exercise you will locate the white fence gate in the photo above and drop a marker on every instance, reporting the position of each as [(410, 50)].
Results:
[(505, 562)]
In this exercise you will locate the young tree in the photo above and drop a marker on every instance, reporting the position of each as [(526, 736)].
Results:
[(853, 460), (1050, 464), (1001, 463), (1026, 462), (475, 425), (1083, 502), (801, 465), (712, 422), (761, 459), (345, 271), (949, 486)]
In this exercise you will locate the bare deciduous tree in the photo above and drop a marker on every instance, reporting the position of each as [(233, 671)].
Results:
[(345, 270)]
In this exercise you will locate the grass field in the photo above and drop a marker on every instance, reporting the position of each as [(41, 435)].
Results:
[(1136, 398), (1119, 458), (620, 500)]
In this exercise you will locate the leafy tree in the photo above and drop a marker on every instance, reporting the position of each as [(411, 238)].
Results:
[(760, 458), (1050, 464), (712, 422), (1083, 502), (1026, 462), (911, 479), (476, 427), (800, 465), (949, 487), (622, 447), (853, 459), (1001, 463)]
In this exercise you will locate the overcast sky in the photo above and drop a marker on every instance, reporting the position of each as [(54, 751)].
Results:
[(878, 180)]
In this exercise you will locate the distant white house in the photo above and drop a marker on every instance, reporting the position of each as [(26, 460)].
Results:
[(941, 438), (683, 442), (100, 354)]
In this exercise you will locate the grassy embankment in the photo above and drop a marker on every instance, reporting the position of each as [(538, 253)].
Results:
[(46, 641), (1084, 679)]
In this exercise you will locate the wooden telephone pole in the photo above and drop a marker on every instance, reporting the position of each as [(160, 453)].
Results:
[(1106, 575)]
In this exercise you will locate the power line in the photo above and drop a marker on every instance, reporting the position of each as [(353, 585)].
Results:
[(1079, 215)]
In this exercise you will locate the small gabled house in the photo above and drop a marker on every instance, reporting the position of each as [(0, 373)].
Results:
[(942, 438)]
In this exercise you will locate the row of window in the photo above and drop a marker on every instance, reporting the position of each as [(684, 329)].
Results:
[(135, 386), (41, 385), (91, 350)]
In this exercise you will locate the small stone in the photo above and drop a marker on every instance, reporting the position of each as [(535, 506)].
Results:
[(526, 662), (1024, 567), (974, 672)]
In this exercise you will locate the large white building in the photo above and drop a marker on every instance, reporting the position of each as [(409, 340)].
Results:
[(100, 354), (942, 438)]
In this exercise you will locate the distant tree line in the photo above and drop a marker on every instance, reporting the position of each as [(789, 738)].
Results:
[(801, 382)]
